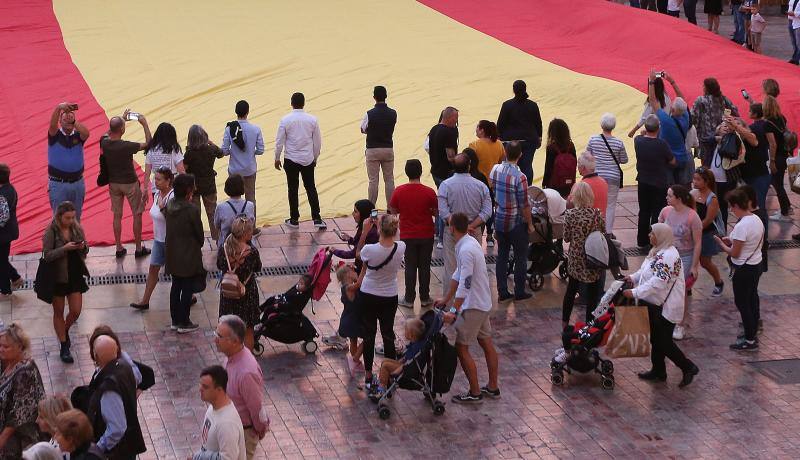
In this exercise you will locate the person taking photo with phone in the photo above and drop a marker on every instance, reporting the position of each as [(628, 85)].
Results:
[(65, 139)]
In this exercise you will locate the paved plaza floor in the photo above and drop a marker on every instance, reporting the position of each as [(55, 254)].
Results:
[(731, 411)]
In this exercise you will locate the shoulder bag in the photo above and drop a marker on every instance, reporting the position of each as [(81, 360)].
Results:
[(613, 157), (44, 284), (385, 262)]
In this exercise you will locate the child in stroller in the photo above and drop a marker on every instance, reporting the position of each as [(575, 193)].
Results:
[(582, 340), (428, 365), (282, 318)]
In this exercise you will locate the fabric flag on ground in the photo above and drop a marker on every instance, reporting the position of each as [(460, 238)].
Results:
[(189, 62)]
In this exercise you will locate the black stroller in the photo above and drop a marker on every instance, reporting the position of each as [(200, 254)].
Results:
[(582, 340), (431, 371), (282, 317)]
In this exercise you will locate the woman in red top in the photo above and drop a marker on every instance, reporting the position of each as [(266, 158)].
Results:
[(417, 206)]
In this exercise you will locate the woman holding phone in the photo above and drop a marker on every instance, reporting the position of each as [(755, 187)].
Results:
[(365, 214), (64, 246)]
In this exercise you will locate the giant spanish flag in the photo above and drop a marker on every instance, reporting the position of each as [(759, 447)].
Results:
[(189, 61)]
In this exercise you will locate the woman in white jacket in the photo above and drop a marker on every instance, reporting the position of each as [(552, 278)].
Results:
[(660, 285)]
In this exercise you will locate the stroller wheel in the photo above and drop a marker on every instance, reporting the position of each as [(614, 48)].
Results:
[(310, 347), (258, 349), (438, 408), (607, 383), (557, 378), (536, 281), (563, 271), (607, 367), (384, 412)]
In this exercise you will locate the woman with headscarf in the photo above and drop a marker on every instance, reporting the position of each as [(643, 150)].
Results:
[(659, 284)]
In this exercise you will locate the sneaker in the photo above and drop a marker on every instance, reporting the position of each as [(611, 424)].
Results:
[(440, 246), (489, 242), (291, 223), (403, 302), (186, 328), (18, 283), (744, 345), (467, 398), (173, 327), (320, 224), (522, 297), (778, 217), (505, 297), (426, 303), (141, 252), (718, 288), (494, 394), (679, 333)]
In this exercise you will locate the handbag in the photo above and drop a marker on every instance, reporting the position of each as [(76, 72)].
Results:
[(230, 286), (621, 175), (730, 147), (630, 336), (45, 281)]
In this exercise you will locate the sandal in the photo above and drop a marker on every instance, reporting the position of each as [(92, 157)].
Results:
[(140, 306), (121, 253), (142, 252)]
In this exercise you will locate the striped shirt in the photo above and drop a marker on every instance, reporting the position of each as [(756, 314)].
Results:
[(510, 194), (606, 167)]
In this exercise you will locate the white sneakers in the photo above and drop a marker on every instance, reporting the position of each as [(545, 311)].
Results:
[(679, 333)]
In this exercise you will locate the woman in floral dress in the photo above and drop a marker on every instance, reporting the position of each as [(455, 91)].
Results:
[(245, 262)]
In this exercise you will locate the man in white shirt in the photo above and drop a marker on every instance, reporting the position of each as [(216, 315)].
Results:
[(223, 435), (299, 135), (469, 287)]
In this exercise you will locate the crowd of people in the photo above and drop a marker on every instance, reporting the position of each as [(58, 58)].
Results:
[(482, 192), (749, 23)]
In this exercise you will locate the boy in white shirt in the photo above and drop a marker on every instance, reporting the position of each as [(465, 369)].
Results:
[(223, 435)]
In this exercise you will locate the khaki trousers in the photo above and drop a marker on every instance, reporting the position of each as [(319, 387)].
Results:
[(377, 159)]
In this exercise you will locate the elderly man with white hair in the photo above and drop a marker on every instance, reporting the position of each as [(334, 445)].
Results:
[(674, 129), (609, 154)]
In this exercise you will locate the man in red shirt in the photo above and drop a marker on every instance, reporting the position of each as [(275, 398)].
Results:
[(416, 205)]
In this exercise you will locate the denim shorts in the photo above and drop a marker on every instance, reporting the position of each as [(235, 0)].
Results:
[(708, 246), (158, 256), (686, 261)]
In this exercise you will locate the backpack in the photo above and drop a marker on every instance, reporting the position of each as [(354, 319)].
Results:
[(320, 271), (564, 168), (5, 211), (230, 286)]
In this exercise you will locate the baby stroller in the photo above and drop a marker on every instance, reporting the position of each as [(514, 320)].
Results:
[(582, 340), (282, 317), (545, 251), (431, 371)]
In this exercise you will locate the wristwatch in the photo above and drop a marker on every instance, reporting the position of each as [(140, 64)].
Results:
[(453, 310)]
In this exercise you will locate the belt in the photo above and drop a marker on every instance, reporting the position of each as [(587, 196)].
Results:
[(248, 427), (65, 181)]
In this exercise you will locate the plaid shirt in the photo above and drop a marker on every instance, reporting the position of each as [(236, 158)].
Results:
[(510, 194)]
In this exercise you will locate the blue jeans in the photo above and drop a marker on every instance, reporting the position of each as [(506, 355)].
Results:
[(795, 44), (63, 191), (518, 238), (738, 21)]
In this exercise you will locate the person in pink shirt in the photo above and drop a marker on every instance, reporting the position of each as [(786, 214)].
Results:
[(245, 380)]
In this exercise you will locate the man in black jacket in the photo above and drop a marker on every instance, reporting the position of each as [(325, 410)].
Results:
[(112, 405), (520, 120), (378, 125)]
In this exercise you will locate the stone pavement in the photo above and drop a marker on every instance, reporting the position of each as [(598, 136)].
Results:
[(731, 410)]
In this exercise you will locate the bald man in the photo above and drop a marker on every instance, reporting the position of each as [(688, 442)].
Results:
[(464, 194), (123, 182), (112, 405)]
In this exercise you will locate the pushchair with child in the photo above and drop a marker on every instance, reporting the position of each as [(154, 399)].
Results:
[(282, 317), (545, 252), (431, 371), (582, 340)]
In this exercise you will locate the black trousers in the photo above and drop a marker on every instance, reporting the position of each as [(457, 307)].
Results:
[(662, 344), (180, 300), (293, 173), (376, 309), (418, 265), (777, 184), (690, 8), (745, 296), (652, 200), (7, 271), (661, 5), (593, 292)]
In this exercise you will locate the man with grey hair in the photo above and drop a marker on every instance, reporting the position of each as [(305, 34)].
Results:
[(654, 163), (674, 129), (245, 380)]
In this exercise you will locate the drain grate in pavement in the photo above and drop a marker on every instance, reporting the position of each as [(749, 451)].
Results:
[(285, 270), (780, 371)]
